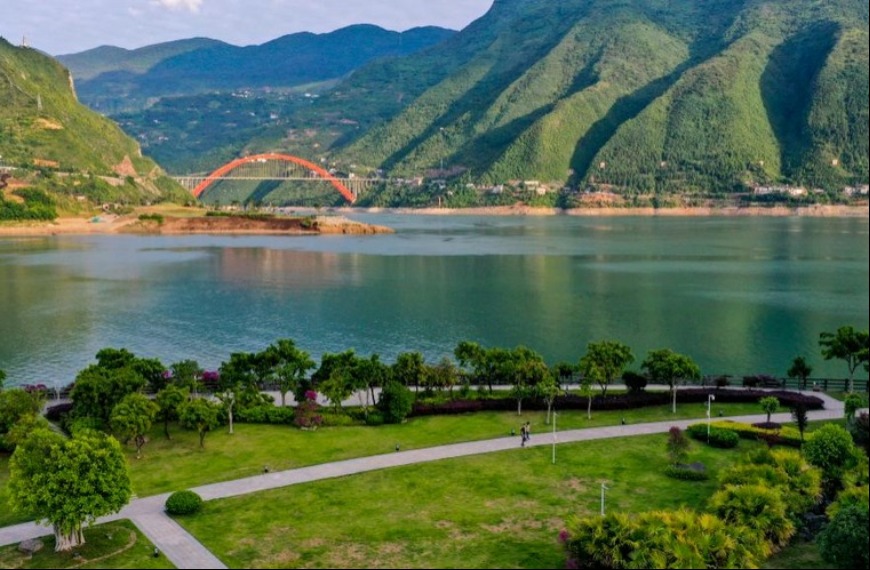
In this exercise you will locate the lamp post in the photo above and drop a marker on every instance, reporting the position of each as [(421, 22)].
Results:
[(710, 398), (603, 489)]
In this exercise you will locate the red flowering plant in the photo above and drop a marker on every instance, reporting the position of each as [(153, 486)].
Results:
[(308, 412)]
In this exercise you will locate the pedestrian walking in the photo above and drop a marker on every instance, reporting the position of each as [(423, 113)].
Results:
[(523, 435)]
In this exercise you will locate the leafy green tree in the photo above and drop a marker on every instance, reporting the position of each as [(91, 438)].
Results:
[(470, 356), (2, 378), (115, 358), (441, 375), (845, 543), (396, 402), (99, 389), (16, 404), (153, 371), (801, 370), (236, 376), (668, 367), (168, 401), (200, 415), (548, 389), (605, 361), (564, 372), (769, 406), (132, 419), (832, 450), (288, 366), (409, 369), (367, 375), (851, 404), (187, 374), (68, 482), (849, 345), (526, 370)]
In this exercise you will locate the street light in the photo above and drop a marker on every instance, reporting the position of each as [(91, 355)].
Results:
[(710, 398), (603, 489)]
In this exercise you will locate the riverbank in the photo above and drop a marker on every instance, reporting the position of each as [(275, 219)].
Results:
[(821, 211), (223, 225)]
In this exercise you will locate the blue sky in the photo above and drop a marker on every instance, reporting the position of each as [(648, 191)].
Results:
[(68, 26)]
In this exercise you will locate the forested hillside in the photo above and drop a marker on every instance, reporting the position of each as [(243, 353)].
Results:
[(57, 143), (113, 80), (646, 95)]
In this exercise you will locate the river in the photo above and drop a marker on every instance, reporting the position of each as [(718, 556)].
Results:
[(739, 295)]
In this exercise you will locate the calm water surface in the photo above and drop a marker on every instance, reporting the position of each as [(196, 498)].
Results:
[(739, 295)]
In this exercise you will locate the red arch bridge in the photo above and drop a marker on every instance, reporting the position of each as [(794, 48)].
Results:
[(279, 167)]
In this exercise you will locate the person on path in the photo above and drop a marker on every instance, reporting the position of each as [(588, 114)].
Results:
[(528, 427), (523, 435)]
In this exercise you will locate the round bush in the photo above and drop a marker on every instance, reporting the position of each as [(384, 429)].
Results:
[(183, 503), (374, 419)]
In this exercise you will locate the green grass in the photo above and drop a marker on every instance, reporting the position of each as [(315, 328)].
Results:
[(798, 555), (499, 510), (114, 545), (180, 464)]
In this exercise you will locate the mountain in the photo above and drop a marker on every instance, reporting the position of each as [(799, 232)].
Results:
[(113, 80), (44, 129), (633, 96)]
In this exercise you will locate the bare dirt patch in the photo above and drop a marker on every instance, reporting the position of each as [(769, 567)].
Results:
[(49, 125)]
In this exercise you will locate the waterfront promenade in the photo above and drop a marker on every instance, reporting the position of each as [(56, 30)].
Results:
[(185, 551)]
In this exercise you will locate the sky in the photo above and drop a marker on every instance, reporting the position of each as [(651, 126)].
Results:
[(61, 27)]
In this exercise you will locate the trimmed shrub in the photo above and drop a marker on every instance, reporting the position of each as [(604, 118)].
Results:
[(721, 438), (678, 445), (331, 419), (183, 503), (395, 403), (375, 419), (832, 450), (635, 382), (852, 496), (785, 436), (686, 473), (844, 542), (756, 507)]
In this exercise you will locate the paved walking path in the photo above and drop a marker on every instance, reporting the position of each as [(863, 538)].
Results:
[(185, 551)]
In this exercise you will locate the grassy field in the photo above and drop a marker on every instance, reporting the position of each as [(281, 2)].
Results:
[(113, 545), (492, 511), (799, 555), (180, 464)]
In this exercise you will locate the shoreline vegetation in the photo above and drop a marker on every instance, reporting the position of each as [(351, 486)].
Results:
[(309, 221)]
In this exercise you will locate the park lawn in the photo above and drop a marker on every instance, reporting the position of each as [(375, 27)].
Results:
[(178, 464), (799, 555), (500, 510), (113, 545)]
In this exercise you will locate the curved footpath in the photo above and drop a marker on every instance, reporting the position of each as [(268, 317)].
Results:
[(185, 551)]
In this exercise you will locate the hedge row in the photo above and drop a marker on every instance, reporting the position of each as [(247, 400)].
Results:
[(717, 436), (614, 402), (784, 436)]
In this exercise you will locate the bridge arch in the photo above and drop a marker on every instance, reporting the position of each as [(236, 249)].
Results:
[(230, 166)]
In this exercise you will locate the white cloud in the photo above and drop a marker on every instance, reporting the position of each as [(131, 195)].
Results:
[(192, 5)]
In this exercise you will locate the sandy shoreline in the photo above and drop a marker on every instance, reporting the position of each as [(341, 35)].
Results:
[(127, 224)]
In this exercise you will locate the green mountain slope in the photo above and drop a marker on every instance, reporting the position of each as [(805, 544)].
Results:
[(638, 96), (191, 67), (43, 127)]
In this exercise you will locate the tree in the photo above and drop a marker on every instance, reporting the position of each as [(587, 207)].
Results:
[(68, 482), (236, 376), (678, 446), (99, 389), (366, 375), (470, 357), (168, 401), (2, 378), (396, 402), (114, 358), (548, 390), (800, 369), (524, 369), (153, 371), (200, 415), (844, 542), (851, 404), (605, 361), (16, 404), (832, 450), (801, 419), (132, 419), (769, 406), (442, 375), (846, 344), (667, 367), (288, 365), (409, 369), (187, 374)]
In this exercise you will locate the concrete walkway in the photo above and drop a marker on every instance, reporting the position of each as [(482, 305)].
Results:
[(185, 551)]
